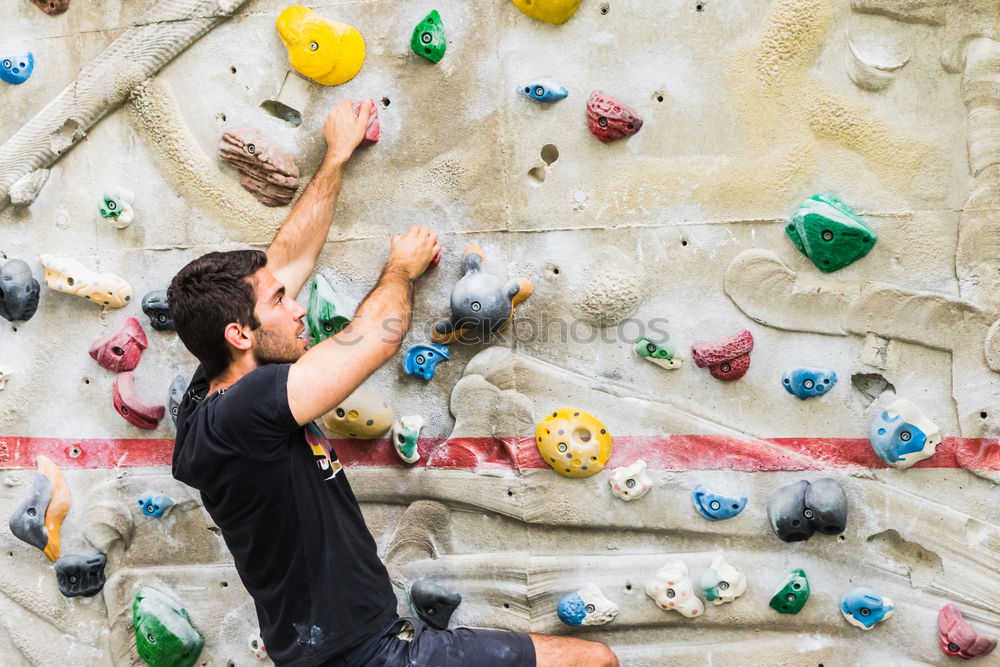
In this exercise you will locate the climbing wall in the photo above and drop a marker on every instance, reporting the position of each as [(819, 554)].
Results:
[(727, 115)]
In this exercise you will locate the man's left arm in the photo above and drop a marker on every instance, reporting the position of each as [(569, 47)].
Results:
[(293, 253)]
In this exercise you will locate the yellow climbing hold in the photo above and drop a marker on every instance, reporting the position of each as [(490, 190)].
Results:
[(550, 11), (325, 51), (573, 442)]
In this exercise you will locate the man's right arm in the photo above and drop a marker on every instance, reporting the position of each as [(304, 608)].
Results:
[(330, 371)]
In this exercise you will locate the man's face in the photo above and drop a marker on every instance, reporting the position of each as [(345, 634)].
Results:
[(277, 340)]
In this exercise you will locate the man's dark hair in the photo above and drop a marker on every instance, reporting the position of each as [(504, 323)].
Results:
[(206, 296)]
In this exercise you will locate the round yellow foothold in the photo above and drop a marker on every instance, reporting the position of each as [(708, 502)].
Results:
[(363, 415), (325, 51), (573, 442), (550, 11)]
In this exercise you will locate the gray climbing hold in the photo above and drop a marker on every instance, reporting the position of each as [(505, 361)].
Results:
[(177, 389), (18, 291), (27, 523), (800, 509)]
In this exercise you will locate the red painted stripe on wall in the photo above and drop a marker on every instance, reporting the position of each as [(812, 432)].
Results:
[(672, 452)]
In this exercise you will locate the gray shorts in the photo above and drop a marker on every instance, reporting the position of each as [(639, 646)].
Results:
[(409, 642)]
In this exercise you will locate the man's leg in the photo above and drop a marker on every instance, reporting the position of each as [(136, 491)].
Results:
[(552, 651)]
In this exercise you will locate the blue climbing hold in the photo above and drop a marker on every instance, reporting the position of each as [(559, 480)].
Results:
[(421, 360), (863, 607), (715, 507), (809, 382), (544, 90), (16, 70), (155, 506), (902, 434), (571, 609)]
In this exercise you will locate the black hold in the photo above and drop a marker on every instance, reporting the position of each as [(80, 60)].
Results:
[(77, 574), (433, 603)]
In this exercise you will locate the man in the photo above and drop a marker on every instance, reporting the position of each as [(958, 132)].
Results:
[(246, 440)]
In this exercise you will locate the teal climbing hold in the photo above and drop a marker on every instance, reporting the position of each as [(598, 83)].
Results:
[(829, 233)]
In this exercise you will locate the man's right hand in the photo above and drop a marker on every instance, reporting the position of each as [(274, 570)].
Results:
[(413, 251), (344, 130)]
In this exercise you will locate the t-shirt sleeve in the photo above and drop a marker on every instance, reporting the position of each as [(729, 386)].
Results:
[(253, 415)]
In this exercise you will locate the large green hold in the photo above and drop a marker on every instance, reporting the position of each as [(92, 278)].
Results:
[(328, 312), (164, 636), (829, 233), (792, 595), (428, 38)]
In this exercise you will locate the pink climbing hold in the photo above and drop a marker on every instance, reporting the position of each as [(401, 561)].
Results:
[(374, 128), (131, 407), (957, 637), (121, 349), (728, 359), (609, 119)]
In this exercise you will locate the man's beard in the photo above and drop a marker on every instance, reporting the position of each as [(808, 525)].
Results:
[(270, 348)]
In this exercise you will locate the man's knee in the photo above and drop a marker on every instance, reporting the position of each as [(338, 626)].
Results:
[(602, 656)]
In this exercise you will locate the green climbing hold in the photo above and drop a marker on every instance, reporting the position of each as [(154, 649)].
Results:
[(164, 636), (659, 354), (829, 233), (792, 595), (428, 38), (329, 311)]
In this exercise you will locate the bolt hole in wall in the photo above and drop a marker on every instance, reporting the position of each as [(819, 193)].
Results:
[(506, 606), (14, 329), (86, 380), (605, 8), (536, 176), (386, 102), (223, 584), (982, 415), (700, 7), (549, 153), (233, 70)]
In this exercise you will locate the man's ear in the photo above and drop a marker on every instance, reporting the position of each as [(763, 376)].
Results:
[(238, 336)]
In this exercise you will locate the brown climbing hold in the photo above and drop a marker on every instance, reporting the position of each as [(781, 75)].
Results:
[(609, 119), (58, 505), (52, 7), (267, 172)]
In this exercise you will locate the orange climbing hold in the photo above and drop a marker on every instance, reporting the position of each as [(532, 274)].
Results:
[(58, 505)]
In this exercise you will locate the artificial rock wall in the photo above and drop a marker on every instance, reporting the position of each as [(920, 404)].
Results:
[(749, 108)]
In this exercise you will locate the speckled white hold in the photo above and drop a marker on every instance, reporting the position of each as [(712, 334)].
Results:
[(612, 292)]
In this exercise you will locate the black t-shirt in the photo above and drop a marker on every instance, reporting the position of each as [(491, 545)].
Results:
[(288, 515)]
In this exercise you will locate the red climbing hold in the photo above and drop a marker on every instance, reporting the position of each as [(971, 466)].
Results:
[(609, 119), (374, 128), (121, 349), (727, 359)]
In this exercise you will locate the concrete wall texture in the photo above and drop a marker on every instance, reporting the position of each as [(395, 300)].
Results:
[(750, 107)]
